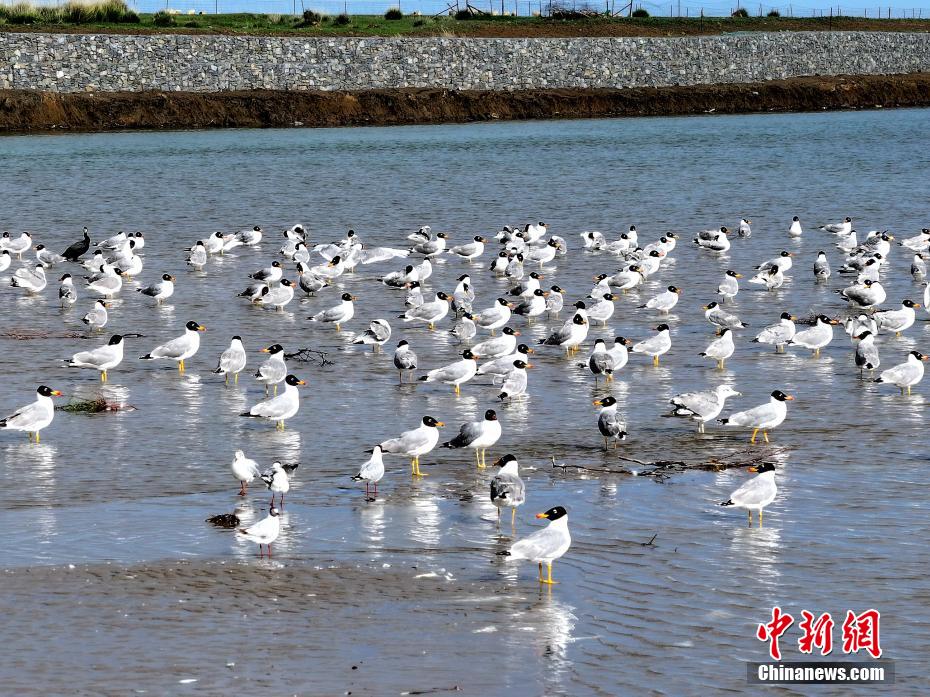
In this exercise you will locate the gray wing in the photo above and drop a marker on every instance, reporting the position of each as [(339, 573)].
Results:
[(610, 424), (540, 545), (407, 441), (405, 361), (507, 489), (699, 403), (753, 493), (468, 433), (173, 349)]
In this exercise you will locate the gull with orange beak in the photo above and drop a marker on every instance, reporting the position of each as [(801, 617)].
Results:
[(32, 418), (757, 493), (546, 545), (905, 375), (281, 407), (515, 381), (416, 442), (338, 315), (656, 345), (455, 373), (764, 417), (162, 290), (665, 301), (180, 349)]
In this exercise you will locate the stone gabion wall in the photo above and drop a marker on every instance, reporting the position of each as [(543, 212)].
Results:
[(79, 62)]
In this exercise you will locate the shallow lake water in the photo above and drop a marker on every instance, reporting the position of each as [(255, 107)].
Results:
[(113, 582)]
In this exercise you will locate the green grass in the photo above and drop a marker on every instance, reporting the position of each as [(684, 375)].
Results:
[(114, 16)]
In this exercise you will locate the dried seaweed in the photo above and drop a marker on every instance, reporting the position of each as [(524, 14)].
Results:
[(93, 406)]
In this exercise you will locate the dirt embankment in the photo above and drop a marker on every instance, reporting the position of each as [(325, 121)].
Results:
[(23, 111)]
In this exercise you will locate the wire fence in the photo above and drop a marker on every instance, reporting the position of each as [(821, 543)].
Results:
[(521, 8)]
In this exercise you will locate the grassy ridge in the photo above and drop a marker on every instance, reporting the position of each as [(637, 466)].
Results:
[(115, 16)]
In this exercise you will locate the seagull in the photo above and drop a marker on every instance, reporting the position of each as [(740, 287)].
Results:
[(198, 256), (17, 246), (729, 286), (269, 274), (471, 250), (546, 545), (795, 228), (603, 309), (600, 362), (32, 418), (918, 267), (78, 249), (719, 317), (821, 267), (102, 359), (570, 335), (533, 306), (455, 373), (555, 301), (543, 254), (778, 334), (772, 278), (160, 291), (280, 407), (515, 381), (744, 229), (400, 279), (339, 314), (47, 257), (609, 422), (503, 365), (244, 470), (896, 321), (919, 242), (249, 237), (279, 296), (376, 254), (97, 317), (702, 406), (507, 489), (430, 312), (782, 261), (430, 248), (866, 355), (465, 327), (404, 359), (757, 493), (273, 370), (714, 240), (66, 293), (499, 265), (843, 228), (720, 349), (371, 472), (377, 334), (108, 284), (265, 531), (278, 481), (905, 375), (619, 354), (32, 281), (763, 418), (664, 301), (495, 316), (656, 345), (478, 435), (5, 260), (232, 360), (817, 337), (416, 442), (181, 348), (496, 347)]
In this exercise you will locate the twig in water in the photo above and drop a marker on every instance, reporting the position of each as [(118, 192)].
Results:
[(309, 354), (649, 544)]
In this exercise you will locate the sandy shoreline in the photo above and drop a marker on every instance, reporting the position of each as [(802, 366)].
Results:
[(31, 111)]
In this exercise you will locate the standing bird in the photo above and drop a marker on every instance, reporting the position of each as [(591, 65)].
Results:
[(32, 418), (465, 328), (495, 316), (866, 355), (772, 278), (97, 317), (5, 260), (371, 472), (656, 345), (757, 493), (471, 250), (778, 334), (232, 360), (66, 293), (273, 370), (162, 290), (198, 256), (415, 442), (570, 335), (838, 228), (719, 317), (497, 346), (264, 532), (795, 229), (429, 312), (763, 418), (180, 349), (479, 436), (720, 349), (600, 362), (702, 406), (430, 248), (507, 489), (896, 321), (619, 353), (278, 296), (729, 286), (918, 267), (47, 257), (864, 295), (905, 375), (280, 407), (278, 481), (609, 422), (455, 373), (603, 308), (515, 381), (817, 337), (338, 315), (377, 334), (103, 359), (664, 301), (404, 359), (78, 249), (269, 274), (244, 470), (532, 306), (546, 545), (555, 301), (31, 281)]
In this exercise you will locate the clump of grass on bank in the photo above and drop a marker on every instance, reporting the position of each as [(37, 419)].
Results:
[(74, 12)]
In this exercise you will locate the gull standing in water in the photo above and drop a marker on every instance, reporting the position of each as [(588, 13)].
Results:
[(720, 349), (729, 286), (371, 472), (31, 281), (184, 347), (896, 321), (66, 293), (455, 373), (280, 407), (821, 267), (600, 362), (570, 335), (546, 545), (244, 470), (817, 337), (609, 422), (97, 317), (507, 489), (232, 360), (719, 317), (102, 359), (338, 315), (757, 493), (377, 334), (656, 345), (429, 312), (162, 290), (763, 418), (32, 418), (664, 301), (905, 375), (795, 229), (478, 435), (265, 531), (278, 481), (866, 354), (416, 442), (274, 370), (404, 359), (778, 334), (702, 406), (515, 381)]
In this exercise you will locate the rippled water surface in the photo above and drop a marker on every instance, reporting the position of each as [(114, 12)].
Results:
[(111, 580)]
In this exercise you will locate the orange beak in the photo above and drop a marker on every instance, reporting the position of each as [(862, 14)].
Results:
[(541, 515), (264, 350), (201, 328), (789, 397), (301, 382), (753, 469), (529, 365), (916, 304), (596, 403), (56, 393), (529, 350), (440, 424)]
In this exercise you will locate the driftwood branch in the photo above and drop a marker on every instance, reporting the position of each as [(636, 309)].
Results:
[(308, 354)]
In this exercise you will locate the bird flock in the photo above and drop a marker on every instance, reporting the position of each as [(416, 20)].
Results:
[(486, 328)]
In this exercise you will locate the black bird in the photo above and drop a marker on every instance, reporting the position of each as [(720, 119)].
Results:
[(74, 252)]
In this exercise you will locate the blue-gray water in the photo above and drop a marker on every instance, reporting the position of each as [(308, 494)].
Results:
[(113, 582)]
